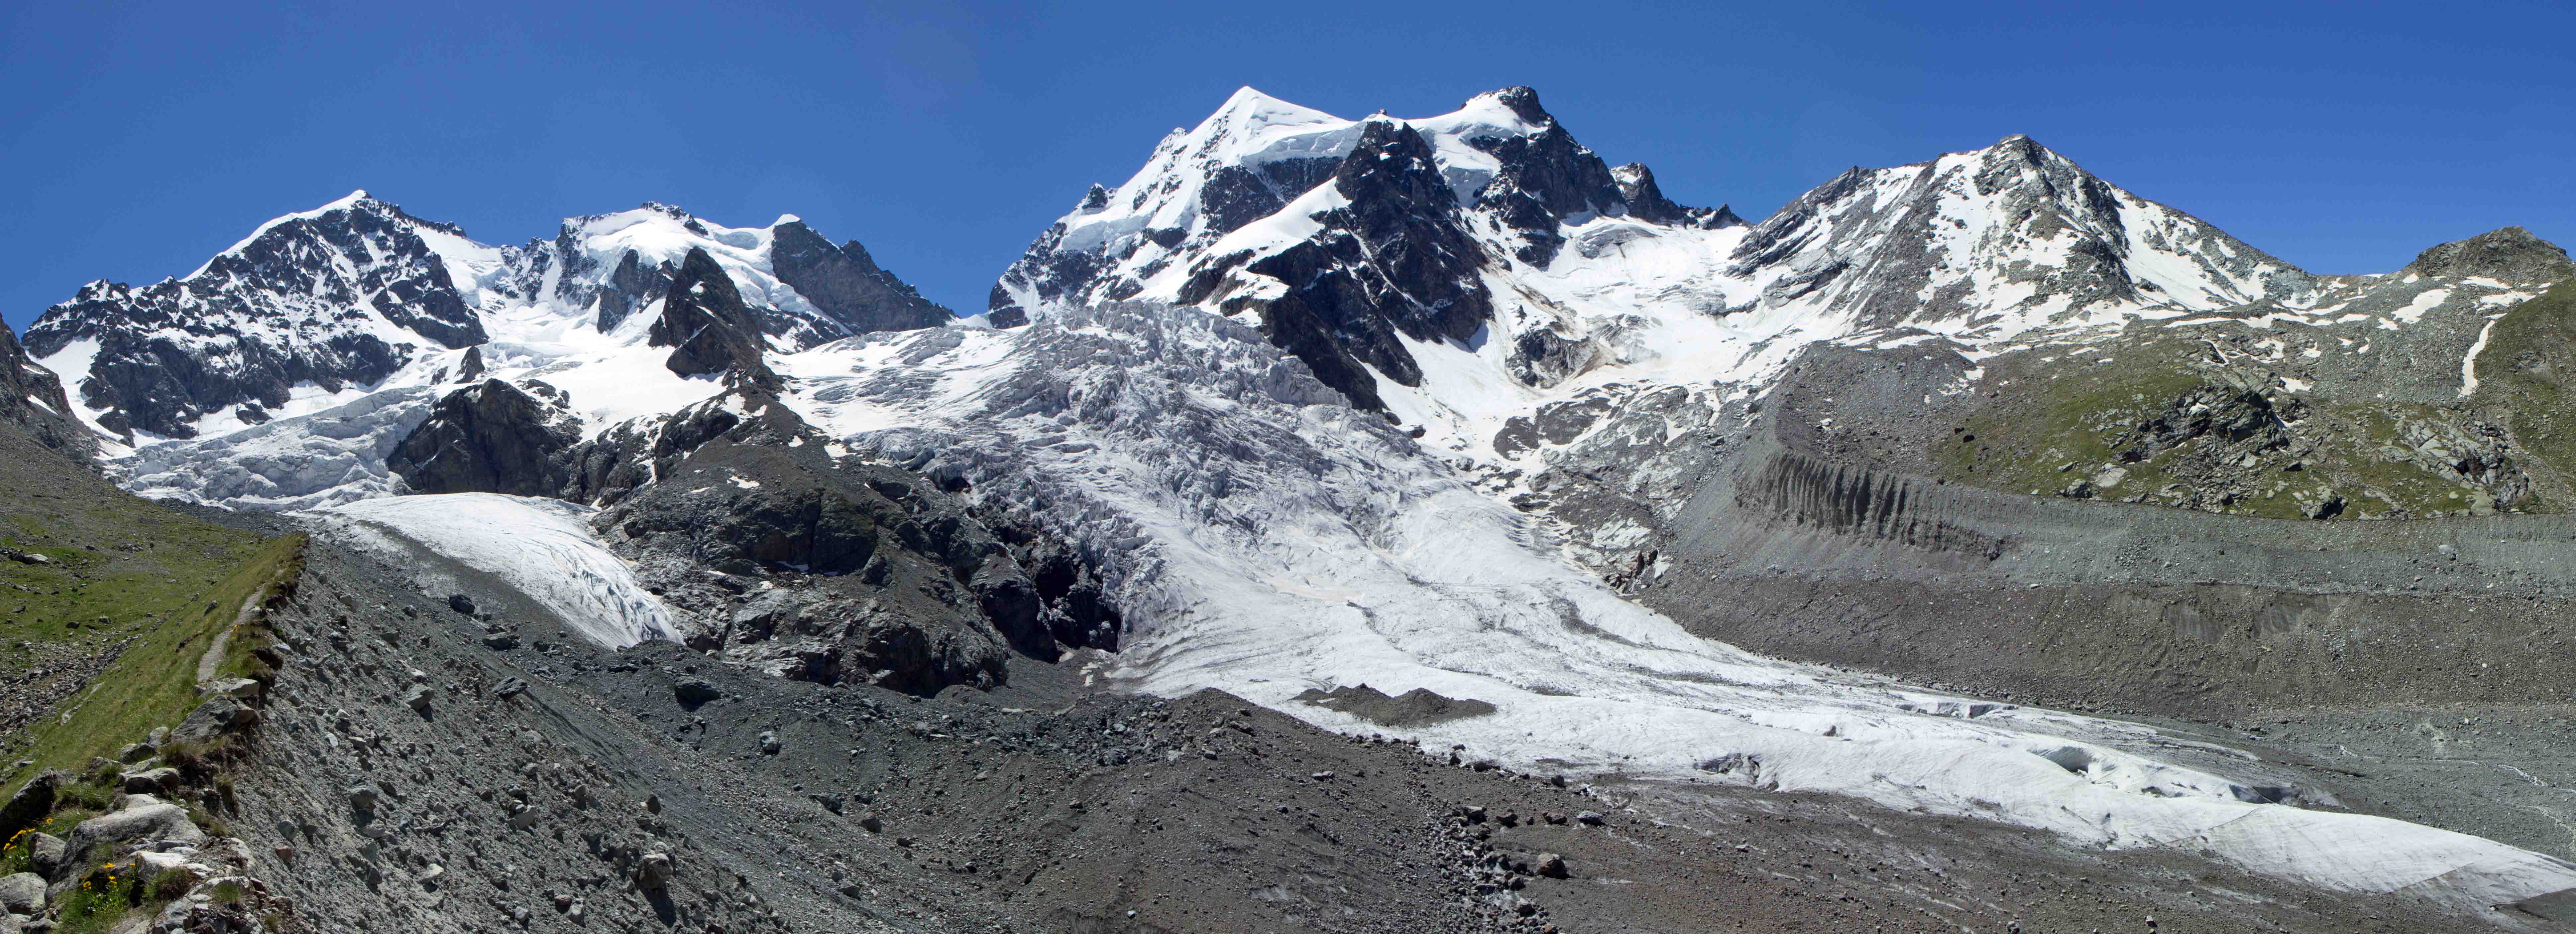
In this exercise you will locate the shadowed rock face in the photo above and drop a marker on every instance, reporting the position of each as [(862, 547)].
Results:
[(847, 284), (32, 398), (1405, 255), (870, 574), (630, 286), (1394, 261), (490, 438), (709, 329)]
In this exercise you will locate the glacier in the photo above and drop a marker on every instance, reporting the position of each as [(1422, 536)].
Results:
[(543, 548), (1264, 537)]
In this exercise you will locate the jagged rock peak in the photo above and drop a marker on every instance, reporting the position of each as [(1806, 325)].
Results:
[(710, 331), (846, 283), (1521, 100)]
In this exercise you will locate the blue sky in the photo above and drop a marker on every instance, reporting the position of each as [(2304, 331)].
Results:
[(137, 139)]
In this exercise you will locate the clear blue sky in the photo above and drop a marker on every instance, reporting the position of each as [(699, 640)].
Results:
[(137, 139)]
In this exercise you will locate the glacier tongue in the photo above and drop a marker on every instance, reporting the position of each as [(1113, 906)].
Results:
[(543, 548), (1265, 541)]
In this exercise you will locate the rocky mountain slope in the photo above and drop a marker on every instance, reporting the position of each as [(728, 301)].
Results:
[(320, 306), (1449, 408)]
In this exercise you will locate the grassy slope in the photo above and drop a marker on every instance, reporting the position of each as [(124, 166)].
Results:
[(2524, 371), (165, 581), (2062, 411)]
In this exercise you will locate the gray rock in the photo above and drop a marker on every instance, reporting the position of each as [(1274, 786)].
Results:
[(653, 872), (363, 797), (23, 893), (710, 329), (149, 781), (461, 603), (1549, 865), (1590, 819), (846, 283), (501, 641), (219, 715), (45, 851), (143, 818), (418, 698), (32, 803), (491, 437), (695, 691), (136, 752)]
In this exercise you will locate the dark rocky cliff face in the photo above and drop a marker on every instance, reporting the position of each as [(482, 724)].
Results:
[(1394, 261), (709, 329), (31, 397), (846, 283), (860, 572), (490, 438)]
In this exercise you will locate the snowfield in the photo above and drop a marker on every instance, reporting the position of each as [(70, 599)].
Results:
[(541, 547)]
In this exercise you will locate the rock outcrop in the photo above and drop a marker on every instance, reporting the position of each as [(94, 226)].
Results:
[(846, 283), (491, 437), (709, 329), (32, 398)]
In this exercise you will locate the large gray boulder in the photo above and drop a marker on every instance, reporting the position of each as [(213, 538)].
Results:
[(219, 715), (23, 893), (33, 801), (143, 819), (46, 852)]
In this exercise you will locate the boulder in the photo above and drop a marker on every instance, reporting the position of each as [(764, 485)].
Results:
[(32, 803), (144, 818), (653, 872), (695, 691), (149, 781), (1549, 865), (23, 893), (45, 851), (219, 715)]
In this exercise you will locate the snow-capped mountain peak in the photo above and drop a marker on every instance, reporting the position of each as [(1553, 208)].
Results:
[(317, 307)]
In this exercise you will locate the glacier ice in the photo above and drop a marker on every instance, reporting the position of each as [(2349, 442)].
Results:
[(543, 548)]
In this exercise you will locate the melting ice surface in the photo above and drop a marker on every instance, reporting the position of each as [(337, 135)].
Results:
[(1265, 544), (540, 547)]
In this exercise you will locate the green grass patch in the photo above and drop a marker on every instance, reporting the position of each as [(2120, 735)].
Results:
[(2078, 416), (2524, 373), (154, 682)]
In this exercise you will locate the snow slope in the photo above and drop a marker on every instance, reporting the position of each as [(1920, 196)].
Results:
[(544, 548)]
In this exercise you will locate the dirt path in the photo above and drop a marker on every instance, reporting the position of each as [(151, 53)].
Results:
[(214, 657)]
